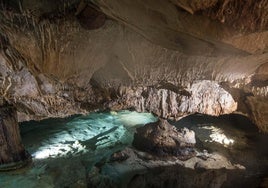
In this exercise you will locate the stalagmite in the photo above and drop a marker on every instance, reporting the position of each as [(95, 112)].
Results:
[(12, 152)]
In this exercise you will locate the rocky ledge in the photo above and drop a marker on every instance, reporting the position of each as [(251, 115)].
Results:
[(139, 169)]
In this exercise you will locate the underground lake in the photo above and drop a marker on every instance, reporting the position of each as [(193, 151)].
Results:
[(133, 93), (79, 152)]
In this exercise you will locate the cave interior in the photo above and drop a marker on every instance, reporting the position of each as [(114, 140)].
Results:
[(133, 93)]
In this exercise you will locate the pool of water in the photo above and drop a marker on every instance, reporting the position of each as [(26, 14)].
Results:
[(63, 150), (235, 137)]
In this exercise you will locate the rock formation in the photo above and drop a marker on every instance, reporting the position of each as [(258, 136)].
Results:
[(138, 171), (163, 139), (12, 152), (171, 58)]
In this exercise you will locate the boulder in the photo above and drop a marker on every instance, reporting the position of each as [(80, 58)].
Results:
[(163, 139)]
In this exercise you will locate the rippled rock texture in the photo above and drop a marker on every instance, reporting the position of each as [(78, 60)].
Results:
[(182, 57)]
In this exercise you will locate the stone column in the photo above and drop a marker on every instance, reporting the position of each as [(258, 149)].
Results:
[(12, 152)]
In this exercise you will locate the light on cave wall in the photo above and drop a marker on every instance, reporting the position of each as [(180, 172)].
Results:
[(217, 135), (91, 132)]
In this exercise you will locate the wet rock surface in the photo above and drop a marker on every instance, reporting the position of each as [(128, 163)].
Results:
[(163, 139), (119, 156), (216, 164), (144, 170)]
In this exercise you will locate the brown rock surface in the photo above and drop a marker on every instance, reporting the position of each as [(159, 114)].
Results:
[(12, 152), (162, 172), (171, 62), (163, 139)]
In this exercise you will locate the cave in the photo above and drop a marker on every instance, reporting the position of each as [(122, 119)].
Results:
[(131, 93)]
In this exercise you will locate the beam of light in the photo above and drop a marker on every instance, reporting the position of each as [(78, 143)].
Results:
[(217, 135)]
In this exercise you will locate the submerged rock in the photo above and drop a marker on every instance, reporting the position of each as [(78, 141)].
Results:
[(163, 139), (119, 156)]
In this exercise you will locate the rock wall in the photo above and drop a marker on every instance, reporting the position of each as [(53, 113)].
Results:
[(205, 97), (55, 67)]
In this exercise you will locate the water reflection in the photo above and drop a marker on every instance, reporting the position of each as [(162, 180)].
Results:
[(82, 134), (217, 135), (65, 150)]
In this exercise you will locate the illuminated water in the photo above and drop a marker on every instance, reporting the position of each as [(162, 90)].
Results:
[(64, 149), (235, 137)]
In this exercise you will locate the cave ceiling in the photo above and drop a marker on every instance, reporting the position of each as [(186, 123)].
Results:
[(169, 57)]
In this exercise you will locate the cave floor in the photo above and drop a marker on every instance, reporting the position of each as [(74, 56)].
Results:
[(65, 151)]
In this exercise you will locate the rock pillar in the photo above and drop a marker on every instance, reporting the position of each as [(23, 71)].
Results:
[(12, 152)]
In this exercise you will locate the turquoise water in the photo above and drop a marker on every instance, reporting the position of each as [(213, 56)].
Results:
[(67, 151), (235, 137), (64, 150)]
